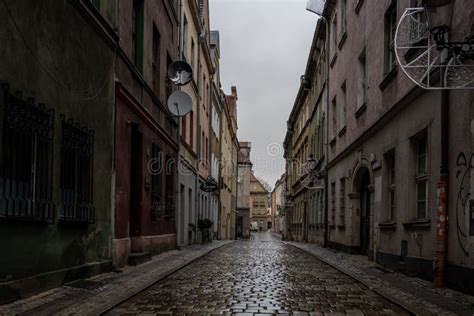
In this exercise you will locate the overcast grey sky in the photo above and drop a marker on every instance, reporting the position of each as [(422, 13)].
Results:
[(264, 49)]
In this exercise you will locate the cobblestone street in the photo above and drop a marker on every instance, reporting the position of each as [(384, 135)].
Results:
[(260, 276)]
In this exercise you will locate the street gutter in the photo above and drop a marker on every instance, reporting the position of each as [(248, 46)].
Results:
[(407, 307)]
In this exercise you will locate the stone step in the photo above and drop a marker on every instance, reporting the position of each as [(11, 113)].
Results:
[(137, 258)]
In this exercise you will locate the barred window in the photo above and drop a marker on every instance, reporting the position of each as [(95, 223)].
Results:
[(333, 203), (390, 162), (76, 179), (342, 206), (26, 159)]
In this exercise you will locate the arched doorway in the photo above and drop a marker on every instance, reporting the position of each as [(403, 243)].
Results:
[(361, 202)]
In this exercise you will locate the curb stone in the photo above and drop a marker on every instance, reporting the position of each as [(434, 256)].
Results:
[(110, 305)]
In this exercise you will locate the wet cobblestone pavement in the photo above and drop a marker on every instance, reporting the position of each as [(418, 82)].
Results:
[(261, 276)]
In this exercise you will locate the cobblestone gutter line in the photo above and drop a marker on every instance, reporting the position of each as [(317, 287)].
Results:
[(412, 294), (114, 287), (370, 286)]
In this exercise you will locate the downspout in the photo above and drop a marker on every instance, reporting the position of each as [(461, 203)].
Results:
[(178, 201), (326, 176), (442, 212), (198, 135)]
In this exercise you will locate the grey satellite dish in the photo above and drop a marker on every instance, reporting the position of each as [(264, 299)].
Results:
[(180, 73), (316, 6), (180, 103)]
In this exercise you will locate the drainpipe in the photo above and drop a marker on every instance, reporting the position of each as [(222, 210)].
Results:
[(326, 176), (442, 212), (439, 265)]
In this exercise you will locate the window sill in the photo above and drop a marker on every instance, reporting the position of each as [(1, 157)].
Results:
[(360, 110), (388, 78), (333, 141), (358, 6), (333, 60), (386, 226), (342, 40), (342, 131), (421, 224)]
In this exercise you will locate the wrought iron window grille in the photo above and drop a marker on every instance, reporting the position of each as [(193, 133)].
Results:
[(76, 175), (26, 159)]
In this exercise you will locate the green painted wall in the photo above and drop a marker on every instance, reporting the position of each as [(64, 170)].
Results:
[(51, 52)]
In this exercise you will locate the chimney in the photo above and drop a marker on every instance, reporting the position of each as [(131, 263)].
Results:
[(234, 92)]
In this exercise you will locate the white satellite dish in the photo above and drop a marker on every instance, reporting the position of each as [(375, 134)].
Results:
[(180, 103), (316, 6), (426, 56)]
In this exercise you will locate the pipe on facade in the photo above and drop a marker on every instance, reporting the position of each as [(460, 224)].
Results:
[(442, 212), (326, 156)]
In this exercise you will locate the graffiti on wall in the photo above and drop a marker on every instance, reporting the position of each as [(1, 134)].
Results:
[(464, 166)]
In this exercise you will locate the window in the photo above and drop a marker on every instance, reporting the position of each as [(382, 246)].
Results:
[(343, 16), (334, 117), (390, 174), (169, 186), (191, 129), (343, 107), (334, 34), (26, 160), (183, 127), (342, 206), (390, 29), (156, 59), (156, 182), (200, 81), (207, 99), (169, 85), (185, 37), (193, 54), (333, 203), (203, 146), (204, 92), (421, 177), (362, 82), (76, 175), (137, 34)]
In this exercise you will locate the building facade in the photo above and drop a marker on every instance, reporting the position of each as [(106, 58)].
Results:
[(186, 220), (56, 122), (306, 140), (228, 167), (244, 168), (215, 132), (278, 206), (146, 150), (205, 72), (258, 204), (396, 152)]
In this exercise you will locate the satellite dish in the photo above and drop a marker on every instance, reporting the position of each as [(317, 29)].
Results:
[(180, 103), (180, 73), (427, 58)]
